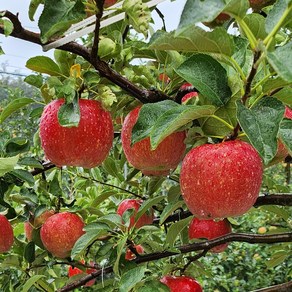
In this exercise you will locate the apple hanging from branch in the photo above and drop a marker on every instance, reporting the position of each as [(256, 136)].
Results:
[(86, 145), (221, 180), (158, 162), (6, 234)]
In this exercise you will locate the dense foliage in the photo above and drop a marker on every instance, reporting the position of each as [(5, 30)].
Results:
[(241, 69)]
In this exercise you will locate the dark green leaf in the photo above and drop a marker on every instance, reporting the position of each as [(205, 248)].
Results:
[(256, 23), (43, 64), (153, 285), (169, 209), (148, 115), (175, 229), (16, 146), (147, 205), (69, 114), (277, 258), (174, 119), (30, 161), (154, 184), (111, 168), (261, 125), (13, 106), (29, 252), (285, 133), (24, 175), (31, 282), (132, 277), (64, 14), (208, 76), (120, 248), (281, 62), (33, 6)]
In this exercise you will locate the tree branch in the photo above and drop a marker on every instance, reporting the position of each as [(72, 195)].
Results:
[(143, 95), (204, 245), (277, 288)]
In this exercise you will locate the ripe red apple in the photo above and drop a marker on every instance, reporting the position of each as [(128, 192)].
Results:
[(60, 232), (221, 180), (72, 271), (86, 145), (160, 161), (6, 234), (181, 284), (210, 229), (146, 218), (130, 255)]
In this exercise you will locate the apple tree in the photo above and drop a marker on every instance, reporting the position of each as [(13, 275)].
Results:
[(153, 151)]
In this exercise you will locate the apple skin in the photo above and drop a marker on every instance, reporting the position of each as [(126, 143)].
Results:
[(218, 21), (189, 96), (221, 180), (28, 229), (108, 3), (257, 5), (72, 271), (210, 229), (181, 284), (160, 161), (127, 204), (6, 234), (60, 232), (130, 255), (86, 145)]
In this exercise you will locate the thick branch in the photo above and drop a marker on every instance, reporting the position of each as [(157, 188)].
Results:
[(145, 96), (205, 245), (277, 288)]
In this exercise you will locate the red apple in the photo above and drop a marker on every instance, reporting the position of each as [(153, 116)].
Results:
[(72, 271), (221, 180), (28, 229), (86, 145), (164, 78), (210, 229), (108, 3), (219, 20), (6, 234), (146, 218), (130, 255), (186, 86), (60, 232), (160, 161), (181, 284)]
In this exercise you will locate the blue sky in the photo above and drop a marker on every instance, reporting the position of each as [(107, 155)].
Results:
[(18, 51)]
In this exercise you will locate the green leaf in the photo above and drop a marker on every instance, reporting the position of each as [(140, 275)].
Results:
[(285, 133), (132, 277), (153, 285), (86, 239), (261, 125), (208, 76), (169, 209), (111, 168), (13, 106), (69, 114), (7, 25), (43, 64), (31, 282), (276, 14), (16, 146), (113, 220), (64, 14), (120, 248), (174, 119), (154, 184), (278, 210), (277, 258), (175, 229), (30, 161), (24, 175), (194, 39), (200, 11), (29, 252), (7, 164), (33, 6), (148, 115), (102, 197), (281, 62), (237, 7), (34, 80), (256, 23), (147, 205)]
